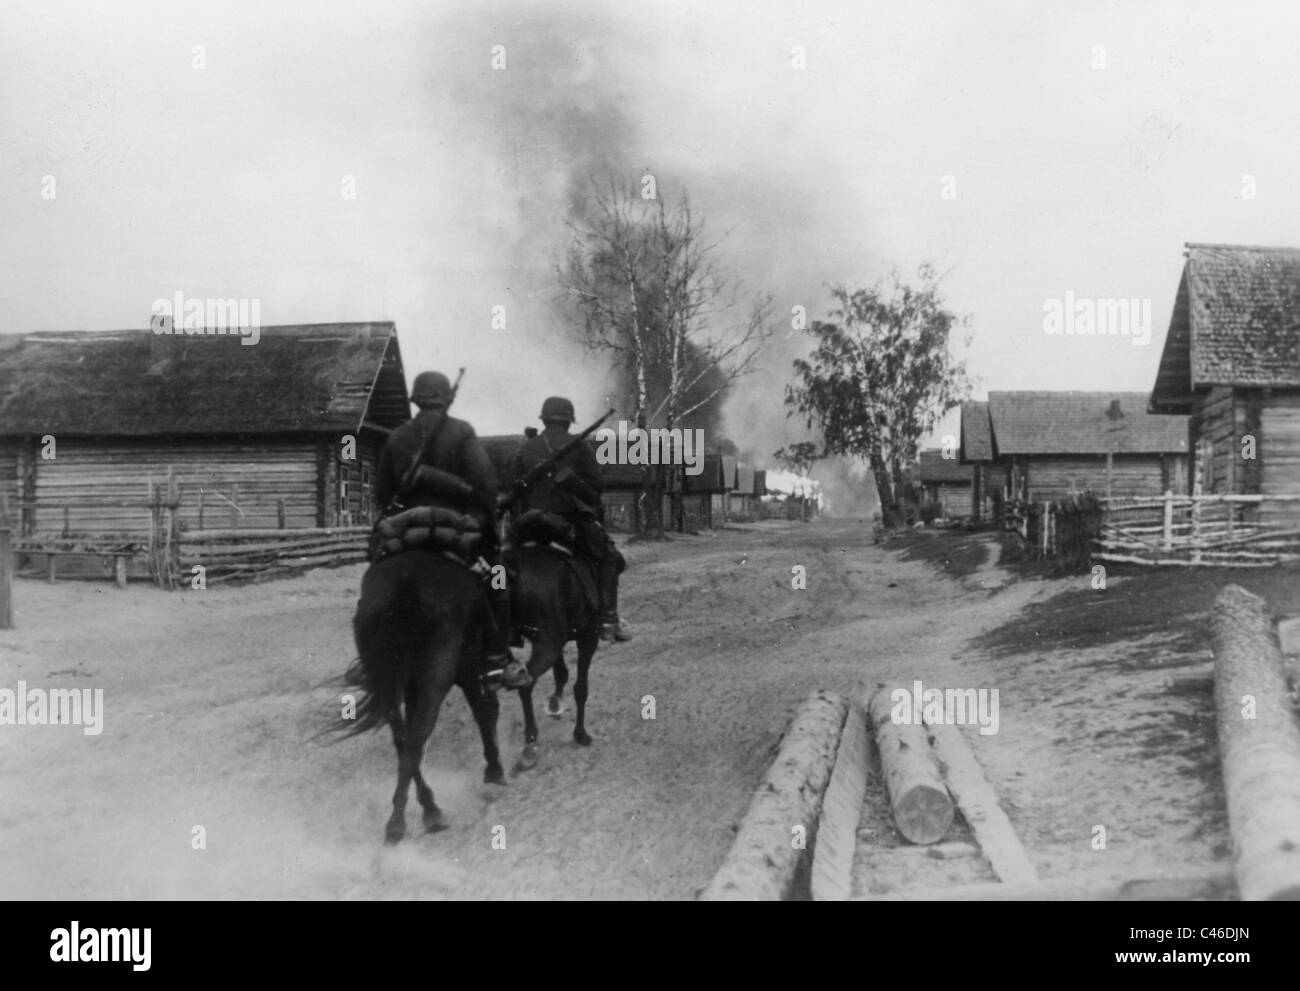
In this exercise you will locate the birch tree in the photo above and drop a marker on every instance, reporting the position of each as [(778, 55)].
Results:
[(646, 284)]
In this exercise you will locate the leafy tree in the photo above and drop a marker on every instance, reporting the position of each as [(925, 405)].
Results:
[(880, 377)]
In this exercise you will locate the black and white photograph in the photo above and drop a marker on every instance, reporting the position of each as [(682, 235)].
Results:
[(559, 450)]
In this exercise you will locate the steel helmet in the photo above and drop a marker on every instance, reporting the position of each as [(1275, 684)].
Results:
[(557, 408), (431, 389)]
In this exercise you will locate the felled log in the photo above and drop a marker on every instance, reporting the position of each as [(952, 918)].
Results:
[(766, 853), (922, 807), (979, 804), (1260, 749), (837, 829)]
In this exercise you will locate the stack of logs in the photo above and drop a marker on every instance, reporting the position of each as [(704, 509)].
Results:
[(813, 795)]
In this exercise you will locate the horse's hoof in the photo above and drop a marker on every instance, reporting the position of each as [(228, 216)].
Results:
[(494, 775), (527, 758), (582, 736), (434, 821), (555, 706), (394, 831)]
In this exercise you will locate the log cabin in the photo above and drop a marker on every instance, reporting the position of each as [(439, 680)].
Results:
[(1230, 369), (1051, 444), (976, 450), (250, 437), (946, 481)]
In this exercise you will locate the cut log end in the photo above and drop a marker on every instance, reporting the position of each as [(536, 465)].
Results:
[(924, 814)]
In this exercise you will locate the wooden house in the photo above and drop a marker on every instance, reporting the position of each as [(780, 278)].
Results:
[(976, 450), (946, 481), (281, 434), (701, 495), (1231, 364), (1050, 444), (741, 500)]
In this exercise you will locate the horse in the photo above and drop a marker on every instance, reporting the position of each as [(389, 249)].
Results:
[(420, 629), (550, 607)]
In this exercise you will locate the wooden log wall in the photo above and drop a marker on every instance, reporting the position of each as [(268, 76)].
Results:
[(1279, 455), (1051, 477), (103, 487)]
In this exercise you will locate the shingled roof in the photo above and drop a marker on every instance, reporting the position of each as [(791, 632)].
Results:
[(936, 469), (1236, 321), (976, 434), (1082, 423), (317, 378)]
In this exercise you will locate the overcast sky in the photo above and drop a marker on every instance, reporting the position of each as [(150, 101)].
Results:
[(1085, 141)]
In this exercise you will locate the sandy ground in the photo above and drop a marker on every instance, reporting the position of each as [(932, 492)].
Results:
[(212, 699)]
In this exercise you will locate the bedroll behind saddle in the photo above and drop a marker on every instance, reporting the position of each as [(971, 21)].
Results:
[(537, 526), (429, 528)]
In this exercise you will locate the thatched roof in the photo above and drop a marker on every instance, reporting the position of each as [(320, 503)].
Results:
[(936, 469), (1082, 423), (1236, 321), (318, 378), (976, 434)]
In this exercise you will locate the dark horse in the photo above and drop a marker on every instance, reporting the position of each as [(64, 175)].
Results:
[(550, 607), (419, 629)]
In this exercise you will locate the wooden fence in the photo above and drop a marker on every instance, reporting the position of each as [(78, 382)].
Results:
[(1062, 530), (1210, 530), (169, 552)]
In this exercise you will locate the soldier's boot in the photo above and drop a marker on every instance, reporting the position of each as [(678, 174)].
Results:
[(611, 627), (498, 661)]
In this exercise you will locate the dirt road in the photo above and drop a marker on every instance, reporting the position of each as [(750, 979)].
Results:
[(211, 699)]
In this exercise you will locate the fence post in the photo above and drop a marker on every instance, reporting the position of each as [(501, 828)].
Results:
[(6, 576), (1043, 526), (1196, 530), (1169, 519)]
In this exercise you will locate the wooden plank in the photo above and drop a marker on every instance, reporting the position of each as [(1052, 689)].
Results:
[(979, 804), (762, 862), (837, 829), (1259, 744)]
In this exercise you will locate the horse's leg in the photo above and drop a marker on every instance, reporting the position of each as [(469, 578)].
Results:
[(423, 793), (587, 643), (544, 653), (486, 709), (396, 827), (437, 675), (555, 704)]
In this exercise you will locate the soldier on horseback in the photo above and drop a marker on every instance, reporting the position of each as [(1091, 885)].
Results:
[(572, 490), (454, 473)]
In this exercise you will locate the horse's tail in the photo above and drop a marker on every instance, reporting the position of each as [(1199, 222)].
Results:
[(388, 641)]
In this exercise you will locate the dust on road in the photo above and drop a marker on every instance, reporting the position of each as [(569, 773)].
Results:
[(212, 699)]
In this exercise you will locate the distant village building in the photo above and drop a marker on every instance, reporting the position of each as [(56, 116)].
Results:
[(1046, 445), (976, 450), (948, 482), (1232, 361), (285, 433)]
